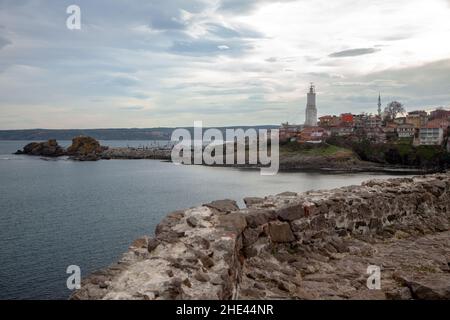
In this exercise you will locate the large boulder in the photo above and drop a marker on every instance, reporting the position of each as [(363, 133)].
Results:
[(233, 222), (426, 287), (46, 149), (85, 149), (225, 206), (280, 232)]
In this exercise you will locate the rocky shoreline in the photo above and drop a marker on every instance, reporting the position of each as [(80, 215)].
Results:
[(313, 245), (89, 149)]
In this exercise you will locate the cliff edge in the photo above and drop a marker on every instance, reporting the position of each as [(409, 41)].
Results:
[(313, 245)]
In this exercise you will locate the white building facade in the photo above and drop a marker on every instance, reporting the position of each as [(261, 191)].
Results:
[(311, 110), (431, 136)]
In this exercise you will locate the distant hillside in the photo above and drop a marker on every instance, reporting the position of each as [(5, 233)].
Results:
[(101, 134)]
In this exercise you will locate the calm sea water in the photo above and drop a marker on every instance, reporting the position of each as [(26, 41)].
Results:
[(56, 213)]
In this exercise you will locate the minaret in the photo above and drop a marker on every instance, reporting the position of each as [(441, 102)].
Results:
[(379, 104), (311, 110)]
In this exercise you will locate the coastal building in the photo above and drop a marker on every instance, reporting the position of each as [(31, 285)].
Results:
[(400, 120), (406, 130), (289, 132), (313, 135), (311, 109), (325, 121), (329, 121), (440, 113), (417, 118), (439, 123), (431, 135), (375, 134), (347, 119), (390, 129), (363, 121), (342, 130)]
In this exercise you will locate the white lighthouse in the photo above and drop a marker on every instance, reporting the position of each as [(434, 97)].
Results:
[(311, 110)]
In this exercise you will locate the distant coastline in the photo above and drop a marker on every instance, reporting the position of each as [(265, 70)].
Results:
[(163, 133)]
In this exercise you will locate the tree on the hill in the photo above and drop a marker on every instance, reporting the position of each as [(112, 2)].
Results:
[(393, 109)]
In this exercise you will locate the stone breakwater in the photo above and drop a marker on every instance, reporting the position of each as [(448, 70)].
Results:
[(89, 149), (313, 245)]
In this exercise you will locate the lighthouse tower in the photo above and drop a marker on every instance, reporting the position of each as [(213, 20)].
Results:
[(379, 104), (311, 110)]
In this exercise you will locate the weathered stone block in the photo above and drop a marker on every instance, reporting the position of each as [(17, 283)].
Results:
[(291, 212), (280, 232), (225, 206), (233, 222), (251, 201)]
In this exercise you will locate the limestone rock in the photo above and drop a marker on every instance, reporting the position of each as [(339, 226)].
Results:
[(252, 201), (256, 218), (140, 243), (291, 212), (427, 287), (233, 222), (280, 232), (225, 206)]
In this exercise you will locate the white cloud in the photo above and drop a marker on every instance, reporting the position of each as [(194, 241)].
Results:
[(215, 59)]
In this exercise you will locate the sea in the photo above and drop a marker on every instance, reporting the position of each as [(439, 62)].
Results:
[(57, 212)]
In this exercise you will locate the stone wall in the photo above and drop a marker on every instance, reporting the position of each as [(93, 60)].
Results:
[(284, 246)]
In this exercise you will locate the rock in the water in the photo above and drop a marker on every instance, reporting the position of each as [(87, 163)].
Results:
[(46, 149), (85, 149)]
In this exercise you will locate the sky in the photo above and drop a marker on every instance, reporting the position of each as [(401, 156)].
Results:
[(148, 63)]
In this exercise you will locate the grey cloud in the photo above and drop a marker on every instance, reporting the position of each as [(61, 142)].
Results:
[(325, 75), (133, 108), (353, 52), (417, 87), (124, 81), (243, 6), (208, 47), (236, 32), (397, 37), (222, 31), (4, 42), (166, 23)]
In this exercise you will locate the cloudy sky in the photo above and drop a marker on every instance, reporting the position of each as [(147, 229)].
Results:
[(148, 63)]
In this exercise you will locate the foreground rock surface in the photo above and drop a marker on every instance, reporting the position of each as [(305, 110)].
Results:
[(313, 245)]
